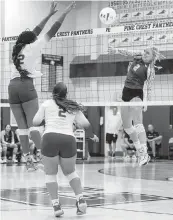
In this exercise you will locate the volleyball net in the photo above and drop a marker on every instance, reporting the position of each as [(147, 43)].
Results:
[(93, 74)]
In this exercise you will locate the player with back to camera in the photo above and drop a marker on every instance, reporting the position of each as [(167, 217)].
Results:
[(59, 144), (140, 71), (23, 97)]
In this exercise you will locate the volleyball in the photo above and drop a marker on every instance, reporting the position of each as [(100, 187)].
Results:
[(107, 16)]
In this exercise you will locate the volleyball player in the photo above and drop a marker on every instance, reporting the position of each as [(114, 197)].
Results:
[(59, 144), (140, 71), (22, 94)]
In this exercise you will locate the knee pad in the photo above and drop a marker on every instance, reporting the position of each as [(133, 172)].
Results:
[(129, 130), (72, 176), (50, 179), (23, 132), (139, 128)]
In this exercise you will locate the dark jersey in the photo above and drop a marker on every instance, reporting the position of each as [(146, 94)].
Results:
[(137, 75), (8, 137), (151, 135)]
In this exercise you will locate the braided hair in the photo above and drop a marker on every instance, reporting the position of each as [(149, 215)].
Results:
[(26, 37), (59, 96), (151, 69)]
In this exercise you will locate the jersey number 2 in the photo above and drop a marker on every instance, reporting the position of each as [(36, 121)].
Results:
[(62, 113), (20, 58)]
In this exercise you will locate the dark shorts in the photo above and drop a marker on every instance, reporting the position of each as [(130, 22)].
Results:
[(54, 144), (21, 90), (111, 138), (129, 94)]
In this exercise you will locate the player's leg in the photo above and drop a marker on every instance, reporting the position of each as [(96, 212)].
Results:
[(138, 123), (30, 108), (109, 142), (50, 159), (127, 118), (68, 153), (158, 142), (115, 137), (15, 87), (22, 125), (0, 153), (153, 147), (124, 149), (14, 152), (32, 149), (27, 96), (51, 170), (4, 153)]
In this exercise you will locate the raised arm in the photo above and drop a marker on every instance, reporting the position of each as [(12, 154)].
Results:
[(51, 33), (37, 30), (133, 53)]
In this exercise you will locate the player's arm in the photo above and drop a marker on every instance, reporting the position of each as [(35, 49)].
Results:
[(12, 138), (53, 30), (39, 117), (158, 138), (37, 30), (3, 140), (133, 53), (82, 122), (17, 134)]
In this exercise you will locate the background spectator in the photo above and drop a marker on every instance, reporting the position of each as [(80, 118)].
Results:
[(113, 123), (154, 140), (8, 145), (33, 149)]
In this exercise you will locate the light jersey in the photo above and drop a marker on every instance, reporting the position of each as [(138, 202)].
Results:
[(30, 58), (114, 122), (57, 120)]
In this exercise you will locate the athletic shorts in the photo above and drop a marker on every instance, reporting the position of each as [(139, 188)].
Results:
[(21, 90), (111, 138), (129, 94), (54, 144)]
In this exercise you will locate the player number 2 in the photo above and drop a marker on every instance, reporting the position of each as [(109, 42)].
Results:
[(21, 57), (62, 113)]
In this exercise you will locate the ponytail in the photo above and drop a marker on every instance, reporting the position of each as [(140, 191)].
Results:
[(67, 105), (24, 38)]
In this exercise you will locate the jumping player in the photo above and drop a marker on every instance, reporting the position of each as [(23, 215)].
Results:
[(141, 70), (59, 144), (22, 94)]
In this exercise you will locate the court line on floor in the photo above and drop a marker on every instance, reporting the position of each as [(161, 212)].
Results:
[(103, 171), (137, 211)]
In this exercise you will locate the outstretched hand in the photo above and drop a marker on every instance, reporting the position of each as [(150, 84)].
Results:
[(144, 108), (53, 9), (70, 7), (95, 138)]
